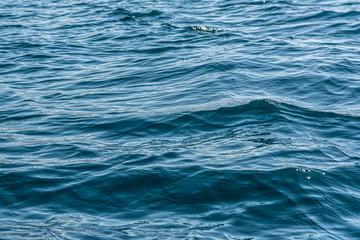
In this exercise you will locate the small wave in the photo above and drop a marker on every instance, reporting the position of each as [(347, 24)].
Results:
[(133, 18), (171, 25), (203, 29)]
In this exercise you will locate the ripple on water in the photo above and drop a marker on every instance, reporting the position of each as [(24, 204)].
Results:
[(182, 120)]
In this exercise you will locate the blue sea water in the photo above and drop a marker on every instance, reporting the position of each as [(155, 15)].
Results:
[(184, 119)]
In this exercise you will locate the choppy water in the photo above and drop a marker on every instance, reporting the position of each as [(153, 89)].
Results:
[(180, 119)]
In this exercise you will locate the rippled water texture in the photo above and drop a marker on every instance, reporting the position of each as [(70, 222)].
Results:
[(180, 119)]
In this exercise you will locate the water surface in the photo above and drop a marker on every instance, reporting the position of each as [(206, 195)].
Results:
[(180, 120)]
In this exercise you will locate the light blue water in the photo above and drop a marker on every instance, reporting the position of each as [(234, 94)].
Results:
[(180, 120)]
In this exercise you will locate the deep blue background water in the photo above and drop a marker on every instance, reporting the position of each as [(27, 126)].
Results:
[(180, 119)]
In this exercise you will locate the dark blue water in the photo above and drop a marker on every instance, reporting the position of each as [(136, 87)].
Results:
[(180, 119)]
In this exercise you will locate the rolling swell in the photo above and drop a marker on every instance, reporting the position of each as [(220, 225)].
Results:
[(243, 158), (184, 120)]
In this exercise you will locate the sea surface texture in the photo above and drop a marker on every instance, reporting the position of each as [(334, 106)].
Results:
[(184, 119)]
